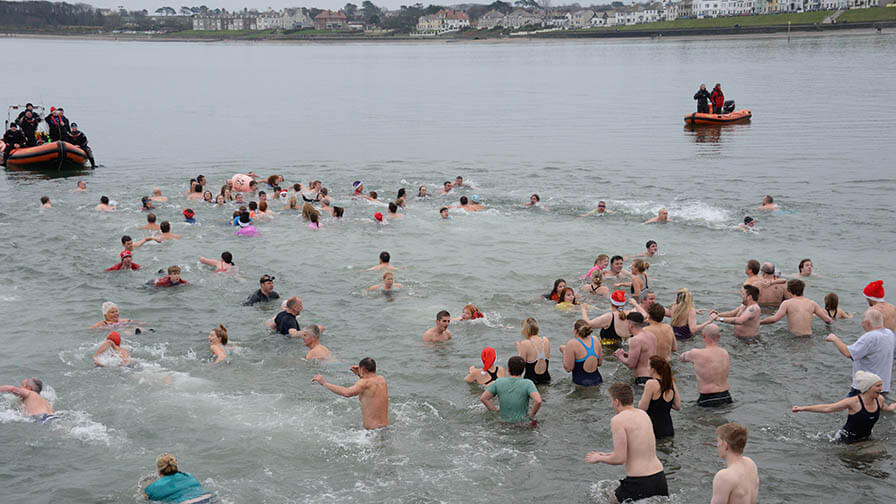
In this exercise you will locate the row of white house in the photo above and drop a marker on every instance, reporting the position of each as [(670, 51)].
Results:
[(286, 19)]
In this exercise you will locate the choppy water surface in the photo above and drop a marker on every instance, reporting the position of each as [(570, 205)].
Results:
[(573, 121)]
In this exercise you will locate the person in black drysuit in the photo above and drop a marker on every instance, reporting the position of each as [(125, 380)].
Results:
[(79, 139), (58, 124), (702, 98), (28, 106), (14, 139), (29, 121)]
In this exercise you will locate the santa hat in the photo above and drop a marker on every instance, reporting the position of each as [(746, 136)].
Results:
[(875, 290)]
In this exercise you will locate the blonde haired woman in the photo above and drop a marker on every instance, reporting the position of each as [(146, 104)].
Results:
[(536, 351), (683, 315), (639, 278), (176, 486), (596, 287)]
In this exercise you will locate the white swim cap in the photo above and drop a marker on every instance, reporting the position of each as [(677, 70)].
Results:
[(865, 380)]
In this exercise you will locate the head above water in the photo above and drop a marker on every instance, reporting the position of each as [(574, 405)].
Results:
[(516, 365), (166, 464), (753, 266), (33, 384), (734, 436), (806, 267), (711, 333), (768, 268), (622, 392), (530, 327), (368, 364), (795, 286)]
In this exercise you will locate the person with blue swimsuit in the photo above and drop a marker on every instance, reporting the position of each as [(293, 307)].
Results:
[(581, 358)]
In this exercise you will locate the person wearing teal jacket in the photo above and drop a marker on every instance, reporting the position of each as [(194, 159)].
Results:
[(174, 486)]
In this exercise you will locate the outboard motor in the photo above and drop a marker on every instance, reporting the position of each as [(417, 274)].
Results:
[(729, 106)]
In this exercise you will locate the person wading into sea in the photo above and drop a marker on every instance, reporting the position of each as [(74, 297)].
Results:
[(371, 390)]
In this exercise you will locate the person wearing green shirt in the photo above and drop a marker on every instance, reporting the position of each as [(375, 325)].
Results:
[(514, 393)]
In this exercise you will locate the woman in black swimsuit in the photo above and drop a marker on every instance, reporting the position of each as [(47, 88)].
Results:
[(660, 397), (489, 372)]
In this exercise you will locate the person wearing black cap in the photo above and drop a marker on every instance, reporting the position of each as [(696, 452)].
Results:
[(14, 139), (748, 224), (58, 125), (264, 294), (29, 107), (77, 138), (29, 121)]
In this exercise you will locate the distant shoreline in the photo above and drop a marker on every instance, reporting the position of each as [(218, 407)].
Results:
[(772, 31)]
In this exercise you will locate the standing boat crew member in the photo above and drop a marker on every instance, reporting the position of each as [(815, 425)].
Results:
[(58, 125), (14, 139), (702, 98), (29, 107), (79, 139), (718, 99), (29, 122)]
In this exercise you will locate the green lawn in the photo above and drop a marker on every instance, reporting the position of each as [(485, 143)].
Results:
[(727, 22), (871, 14)]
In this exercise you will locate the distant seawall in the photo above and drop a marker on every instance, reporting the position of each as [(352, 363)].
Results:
[(728, 30)]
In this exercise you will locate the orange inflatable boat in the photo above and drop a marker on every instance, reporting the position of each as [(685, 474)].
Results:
[(52, 156), (731, 117)]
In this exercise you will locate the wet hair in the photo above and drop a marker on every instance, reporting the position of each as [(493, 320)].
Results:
[(464, 200), (446, 183), (831, 302), (622, 392), (683, 304), (656, 312), (768, 199), (530, 327), (36, 384), (197, 187), (293, 202), (297, 187), (803, 263), (272, 180), (443, 209), (368, 364), (373, 195), (104, 200), (662, 367), (615, 258), (402, 192), (253, 206), (563, 293), (314, 331), (44, 200), (393, 207), (125, 239), (292, 303), (597, 278), (735, 435), (174, 270), (150, 217), (549, 295), (307, 210), (649, 243), (385, 257), (166, 464), (516, 365), (753, 265), (537, 197), (752, 291), (165, 226), (221, 333), (388, 274), (602, 257), (338, 211), (796, 286), (641, 265), (635, 318), (582, 329), (263, 206), (262, 193), (442, 314), (768, 268), (227, 257), (314, 218)]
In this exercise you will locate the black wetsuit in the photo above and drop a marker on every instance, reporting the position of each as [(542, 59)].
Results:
[(79, 139), (858, 425), (702, 98), (11, 138), (29, 127)]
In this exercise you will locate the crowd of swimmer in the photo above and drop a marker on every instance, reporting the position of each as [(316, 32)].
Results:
[(634, 329)]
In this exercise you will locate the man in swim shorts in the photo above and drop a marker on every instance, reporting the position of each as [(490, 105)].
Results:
[(711, 365), (634, 445), (264, 294), (752, 272), (311, 338), (744, 318), (446, 187), (30, 400), (772, 291), (661, 216), (384, 263), (666, 343), (798, 310), (739, 482), (616, 270), (874, 294), (768, 203), (371, 389), (641, 347), (104, 205), (166, 234), (150, 222), (440, 332), (129, 244)]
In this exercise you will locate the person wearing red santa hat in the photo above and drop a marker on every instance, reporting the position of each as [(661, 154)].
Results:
[(874, 294)]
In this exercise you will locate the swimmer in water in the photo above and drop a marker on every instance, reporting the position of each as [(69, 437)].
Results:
[(476, 205), (554, 295), (127, 263), (197, 192), (104, 205), (166, 234), (661, 216), (601, 209), (173, 278), (30, 400), (246, 228), (443, 212), (600, 263), (446, 187), (596, 287), (616, 270), (748, 224), (150, 222), (371, 389), (798, 310), (82, 186), (174, 485), (45, 202), (738, 483), (225, 265), (832, 307), (393, 212), (421, 192), (388, 284), (384, 263), (217, 344), (311, 338), (129, 244), (489, 372), (189, 216), (805, 267), (768, 203), (440, 332), (470, 312), (652, 250), (146, 203), (111, 316), (567, 300), (157, 196), (112, 345), (744, 318)]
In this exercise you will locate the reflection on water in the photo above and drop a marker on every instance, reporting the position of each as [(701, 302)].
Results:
[(863, 456)]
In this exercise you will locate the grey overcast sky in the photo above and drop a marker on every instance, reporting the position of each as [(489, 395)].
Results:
[(152, 5)]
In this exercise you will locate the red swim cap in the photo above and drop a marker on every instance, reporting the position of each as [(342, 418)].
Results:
[(618, 298), (488, 358), (188, 213), (378, 216), (114, 337), (125, 253)]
